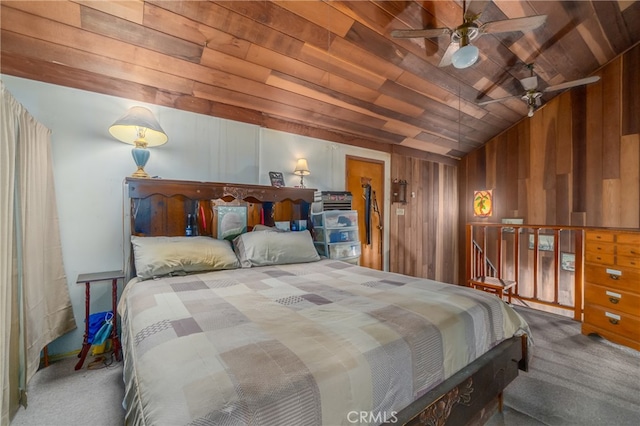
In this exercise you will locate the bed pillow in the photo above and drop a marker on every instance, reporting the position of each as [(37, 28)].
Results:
[(275, 248), (158, 256), (261, 228)]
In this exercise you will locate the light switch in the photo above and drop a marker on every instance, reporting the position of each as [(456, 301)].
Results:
[(400, 212)]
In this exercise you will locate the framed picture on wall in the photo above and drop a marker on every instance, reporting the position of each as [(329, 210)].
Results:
[(277, 179), (483, 203), (545, 242), (568, 261)]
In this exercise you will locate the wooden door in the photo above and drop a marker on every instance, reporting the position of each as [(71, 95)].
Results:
[(372, 171)]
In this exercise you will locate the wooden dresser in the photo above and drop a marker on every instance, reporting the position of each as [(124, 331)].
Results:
[(612, 286)]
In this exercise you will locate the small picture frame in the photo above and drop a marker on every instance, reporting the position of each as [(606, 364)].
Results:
[(568, 261), (277, 179), (232, 221), (545, 242)]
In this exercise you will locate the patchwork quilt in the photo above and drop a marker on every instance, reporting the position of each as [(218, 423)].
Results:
[(300, 344)]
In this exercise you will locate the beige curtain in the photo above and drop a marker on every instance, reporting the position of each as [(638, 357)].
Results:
[(34, 299)]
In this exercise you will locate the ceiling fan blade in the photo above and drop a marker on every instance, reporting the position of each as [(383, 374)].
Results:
[(446, 58), (491, 101), (474, 9), (573, 83), (527, 23), (426, 33)]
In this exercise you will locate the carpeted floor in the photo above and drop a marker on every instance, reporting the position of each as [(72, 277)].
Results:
[(61, 396), (573, 380)]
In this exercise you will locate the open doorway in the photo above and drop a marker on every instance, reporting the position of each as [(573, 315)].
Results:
[(365, 181)]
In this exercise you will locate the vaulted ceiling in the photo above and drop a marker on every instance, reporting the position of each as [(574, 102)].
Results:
[(326, 69)]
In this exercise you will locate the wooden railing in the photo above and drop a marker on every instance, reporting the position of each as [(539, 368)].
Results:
[(546, 262), (484, 266)]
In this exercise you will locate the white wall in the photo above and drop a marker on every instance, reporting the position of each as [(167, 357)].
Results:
[(90, 167)]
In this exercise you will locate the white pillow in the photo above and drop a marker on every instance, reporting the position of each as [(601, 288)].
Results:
[(275, 248), (158, 256)]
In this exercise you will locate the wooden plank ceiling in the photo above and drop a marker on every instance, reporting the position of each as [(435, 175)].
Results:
[(326, 69)]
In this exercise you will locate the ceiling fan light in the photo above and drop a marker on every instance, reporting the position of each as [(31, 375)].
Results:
[(465, 57)]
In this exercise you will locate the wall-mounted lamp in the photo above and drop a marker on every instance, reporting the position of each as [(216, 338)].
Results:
[(399, 191), (302, 170), (140, 128)]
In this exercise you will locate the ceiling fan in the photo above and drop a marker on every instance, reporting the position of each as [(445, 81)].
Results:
[(461, 53), (532, 95)]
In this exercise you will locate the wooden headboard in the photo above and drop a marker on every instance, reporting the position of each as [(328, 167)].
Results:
[(159, 207)]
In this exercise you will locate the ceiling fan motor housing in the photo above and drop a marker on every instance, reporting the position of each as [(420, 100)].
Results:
[(465, 33)]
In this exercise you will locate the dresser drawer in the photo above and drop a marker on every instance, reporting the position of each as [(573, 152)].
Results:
[(613, 277), (608, 298), (599, 236), (596, 247), (605, 259), (628, 250), (628, 261), (631, 239), (613, 321)]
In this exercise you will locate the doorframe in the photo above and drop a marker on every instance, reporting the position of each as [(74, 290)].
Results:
[(386, 201)]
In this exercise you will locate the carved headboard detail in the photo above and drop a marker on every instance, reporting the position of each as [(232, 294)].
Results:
[(159, 207)]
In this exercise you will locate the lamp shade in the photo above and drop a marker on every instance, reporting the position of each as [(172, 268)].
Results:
[(465, 56), (138, 127), (302, 168)]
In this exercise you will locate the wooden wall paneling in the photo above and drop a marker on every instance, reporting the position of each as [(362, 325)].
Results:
[(463, 218), (416, 246), (523, 199), (579, 149), (593, 180), (630, 94), (65, 12), (491, 150), (511, 167), (427, 212), (451, 230), (435, 223), (130, 32), (630, 181), (500, 172), (536, 192), (524, 145), (611, 131), (563, 199), (549, 123), (611, 203), (394, 218), (424, 241), (564, 134)]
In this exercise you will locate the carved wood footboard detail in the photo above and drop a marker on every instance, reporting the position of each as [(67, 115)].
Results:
[(437, 413), (467, 396)]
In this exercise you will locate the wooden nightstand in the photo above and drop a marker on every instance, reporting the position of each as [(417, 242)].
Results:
[(87, 280), (493, 285)]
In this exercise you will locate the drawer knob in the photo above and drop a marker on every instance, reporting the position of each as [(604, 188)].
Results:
[(614, 321), (614, 300), (613, 277)]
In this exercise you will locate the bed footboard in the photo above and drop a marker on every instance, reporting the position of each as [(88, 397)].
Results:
[(469, 396)]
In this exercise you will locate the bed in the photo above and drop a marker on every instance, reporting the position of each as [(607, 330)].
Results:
[(266, 339)]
